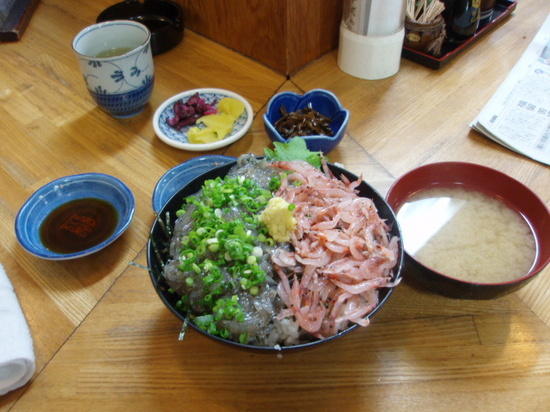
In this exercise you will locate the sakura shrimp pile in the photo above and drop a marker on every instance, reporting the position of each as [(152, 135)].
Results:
[(342, 255)]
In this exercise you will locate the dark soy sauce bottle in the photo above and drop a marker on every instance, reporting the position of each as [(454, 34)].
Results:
[(461, 18)]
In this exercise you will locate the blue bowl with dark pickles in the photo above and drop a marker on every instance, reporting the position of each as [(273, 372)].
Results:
[(320, 101)]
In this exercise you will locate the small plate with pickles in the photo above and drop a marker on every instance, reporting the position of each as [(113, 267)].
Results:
[(203, 119)]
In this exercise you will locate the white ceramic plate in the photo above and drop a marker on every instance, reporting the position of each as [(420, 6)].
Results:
[(178, 138)]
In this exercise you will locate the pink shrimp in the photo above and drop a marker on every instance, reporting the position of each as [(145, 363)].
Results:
[(342, 255)]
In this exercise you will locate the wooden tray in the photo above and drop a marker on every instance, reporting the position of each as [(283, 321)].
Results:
[(450, 50)]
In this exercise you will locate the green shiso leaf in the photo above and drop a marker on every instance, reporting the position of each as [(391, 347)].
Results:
[(294, 149)]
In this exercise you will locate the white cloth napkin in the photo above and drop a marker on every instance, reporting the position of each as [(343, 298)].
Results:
[(17, 362)]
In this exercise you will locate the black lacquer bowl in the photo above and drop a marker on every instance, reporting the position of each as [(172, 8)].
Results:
[(164, 18), (156, 254)]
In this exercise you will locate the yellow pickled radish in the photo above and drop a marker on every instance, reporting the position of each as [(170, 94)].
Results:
[(206, 135), (221, 123), (231, 106)]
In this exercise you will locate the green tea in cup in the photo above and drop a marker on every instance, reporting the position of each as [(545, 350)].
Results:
[(113, 52), (116, 61)]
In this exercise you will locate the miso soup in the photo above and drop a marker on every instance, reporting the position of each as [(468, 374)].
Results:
[(467, 235)]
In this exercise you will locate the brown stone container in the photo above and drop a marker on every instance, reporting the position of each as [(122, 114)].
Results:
[(425, 37)]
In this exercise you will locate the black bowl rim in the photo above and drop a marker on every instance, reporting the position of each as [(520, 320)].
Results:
[(194, 185), (163, 39)]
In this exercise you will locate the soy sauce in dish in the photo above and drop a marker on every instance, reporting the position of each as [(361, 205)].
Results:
[(78, 225)]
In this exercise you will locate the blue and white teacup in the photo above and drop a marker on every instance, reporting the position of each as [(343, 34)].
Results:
[(116, 61)]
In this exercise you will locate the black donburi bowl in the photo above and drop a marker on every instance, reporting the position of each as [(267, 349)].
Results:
[(157, 254)]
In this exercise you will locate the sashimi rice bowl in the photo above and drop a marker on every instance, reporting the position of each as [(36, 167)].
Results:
[(269, 253)]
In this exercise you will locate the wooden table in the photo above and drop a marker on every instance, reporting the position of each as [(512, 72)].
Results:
[(103, 339)]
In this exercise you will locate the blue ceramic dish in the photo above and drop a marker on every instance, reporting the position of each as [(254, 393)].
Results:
[(57, 193), (178, 176), (320, 100)]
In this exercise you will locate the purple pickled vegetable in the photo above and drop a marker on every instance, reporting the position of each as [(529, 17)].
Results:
[(187, 113)]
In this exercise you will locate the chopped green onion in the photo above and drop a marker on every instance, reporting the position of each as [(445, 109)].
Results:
[(221, 252)]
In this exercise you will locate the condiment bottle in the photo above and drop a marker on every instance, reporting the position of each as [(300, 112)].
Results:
[(462, 18)]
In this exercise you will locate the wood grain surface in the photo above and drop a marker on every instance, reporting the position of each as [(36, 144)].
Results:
[(285, 35), (104, 340)]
